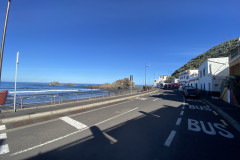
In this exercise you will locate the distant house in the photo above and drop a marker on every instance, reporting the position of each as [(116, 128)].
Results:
[(211, 74), (174, 80), (156, 82), (193, 81), (160, 81), (185, 76)]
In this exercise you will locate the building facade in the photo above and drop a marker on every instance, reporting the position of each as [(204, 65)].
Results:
[(160, 81), (185, 76), (211, 74)]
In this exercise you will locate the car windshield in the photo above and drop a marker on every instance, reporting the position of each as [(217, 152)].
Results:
[(188, 87)]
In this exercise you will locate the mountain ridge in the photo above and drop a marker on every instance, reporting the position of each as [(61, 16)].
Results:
[(221, 50)]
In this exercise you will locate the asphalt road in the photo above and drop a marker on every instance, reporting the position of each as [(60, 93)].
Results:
[(161, 126)]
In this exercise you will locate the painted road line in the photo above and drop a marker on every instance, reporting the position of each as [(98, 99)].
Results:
[(73, 122), (182, 112), (4, 149), (155, 99), (3, 136), (110, 138), (183, 107), (224, 122), (170, 138), (215, 113), (68, 135), (116, 116), (178, 121), (155, 115), (2, 127)]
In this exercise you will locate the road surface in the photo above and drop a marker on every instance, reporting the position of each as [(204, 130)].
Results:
[(160, 126)]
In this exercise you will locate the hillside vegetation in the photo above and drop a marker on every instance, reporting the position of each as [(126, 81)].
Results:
[(221, 50)]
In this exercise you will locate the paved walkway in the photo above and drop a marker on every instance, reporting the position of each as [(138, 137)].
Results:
[(232, 110)]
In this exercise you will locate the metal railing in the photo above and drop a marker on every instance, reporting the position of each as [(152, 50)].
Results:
[(38, 100)]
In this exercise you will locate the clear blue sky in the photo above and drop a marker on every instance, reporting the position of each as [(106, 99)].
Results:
[(99, 41)]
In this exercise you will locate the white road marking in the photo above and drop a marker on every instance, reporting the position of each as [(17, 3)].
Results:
[(70, 134), (143, 99), (170, 138), (111, 139), (155, 115), (181, 113), (183, 107), (3, 136), (73, 122), (155, 99), (4, 149), (116, 116), (178, 121), (2, 127)]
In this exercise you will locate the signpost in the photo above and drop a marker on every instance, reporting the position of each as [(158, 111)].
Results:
[(15, 83), (131, 80)]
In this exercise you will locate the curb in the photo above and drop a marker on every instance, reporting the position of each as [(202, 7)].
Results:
[(234, 123), (55, 112)]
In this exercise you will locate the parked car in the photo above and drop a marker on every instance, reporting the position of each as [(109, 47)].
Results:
[(187, 87), (180, 89), (190, 92)]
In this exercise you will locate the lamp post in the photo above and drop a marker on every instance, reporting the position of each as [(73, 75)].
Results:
[(3, 38), (146, 76), (14, 104)]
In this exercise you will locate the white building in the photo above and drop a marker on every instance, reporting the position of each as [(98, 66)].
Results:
[(211, 74), (160, 81), (193, 81), (185, 76), (156, 83)]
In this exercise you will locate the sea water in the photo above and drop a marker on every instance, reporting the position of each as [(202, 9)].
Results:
[(32, 92)]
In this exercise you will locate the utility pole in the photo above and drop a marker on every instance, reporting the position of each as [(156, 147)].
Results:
[(131, 81), (146, 76), (16, 82), (3, 38)]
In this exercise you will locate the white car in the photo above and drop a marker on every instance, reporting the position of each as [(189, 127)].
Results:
[(180, 89)]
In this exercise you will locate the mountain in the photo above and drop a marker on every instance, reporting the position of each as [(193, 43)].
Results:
[(221, 50)]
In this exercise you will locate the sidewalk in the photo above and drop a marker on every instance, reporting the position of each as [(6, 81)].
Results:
[(230, 111)]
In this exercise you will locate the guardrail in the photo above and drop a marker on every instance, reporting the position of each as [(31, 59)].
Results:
[(36, 100)]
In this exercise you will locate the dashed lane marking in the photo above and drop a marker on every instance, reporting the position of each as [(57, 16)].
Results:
[(215, 113), (110, 138), (68, 135), (4, 149), (178, 121), (170, 138), (155, 99), (3, 136), (182, 112), (73, 122), (224, 122), (183, 107), (2, 127)]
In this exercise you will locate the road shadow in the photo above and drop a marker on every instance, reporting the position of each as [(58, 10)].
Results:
[(140, 138), (171, 95)]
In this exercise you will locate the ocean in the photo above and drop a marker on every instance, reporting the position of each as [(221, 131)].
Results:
[(32, 92)]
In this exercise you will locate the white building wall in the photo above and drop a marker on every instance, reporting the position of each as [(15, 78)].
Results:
[(211, 73)]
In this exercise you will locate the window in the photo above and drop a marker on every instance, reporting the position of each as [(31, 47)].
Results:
[(204, 74)]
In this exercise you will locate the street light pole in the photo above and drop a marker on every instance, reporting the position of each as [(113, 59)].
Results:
[(146, 76), (3, 38)]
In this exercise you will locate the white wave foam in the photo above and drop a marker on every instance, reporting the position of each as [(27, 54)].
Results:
[(43, 91)]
